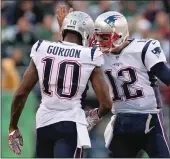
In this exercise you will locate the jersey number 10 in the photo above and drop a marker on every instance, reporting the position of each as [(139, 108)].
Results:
[(61, 77)]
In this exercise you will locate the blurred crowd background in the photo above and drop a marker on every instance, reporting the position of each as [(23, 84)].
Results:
[(24, 22)]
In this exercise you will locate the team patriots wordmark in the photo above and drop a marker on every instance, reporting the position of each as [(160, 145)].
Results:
[(111, 20), (156, 51)]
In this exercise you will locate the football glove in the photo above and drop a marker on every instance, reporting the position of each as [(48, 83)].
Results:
[(92, 118), (15, 140)]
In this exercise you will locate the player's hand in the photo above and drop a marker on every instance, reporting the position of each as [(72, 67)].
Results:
[(92, 118), (15, 140), (61, 13)]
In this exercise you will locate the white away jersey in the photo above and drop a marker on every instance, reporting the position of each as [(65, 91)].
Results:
[(131, 84), (64, 69)]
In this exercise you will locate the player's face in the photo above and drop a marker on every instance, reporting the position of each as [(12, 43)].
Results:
[(105, 41), (102, 40)]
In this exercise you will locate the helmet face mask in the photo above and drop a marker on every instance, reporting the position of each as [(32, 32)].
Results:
[(105, 40), (111, 30)]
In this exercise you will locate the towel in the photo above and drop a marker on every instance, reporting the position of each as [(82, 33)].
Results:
[(83, 139), (108, 134)]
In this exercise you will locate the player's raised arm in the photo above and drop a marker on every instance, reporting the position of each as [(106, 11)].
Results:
[(29, 80), (61, 13)]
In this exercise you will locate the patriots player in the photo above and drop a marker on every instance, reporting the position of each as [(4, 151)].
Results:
[(132, 68), (63, 69)]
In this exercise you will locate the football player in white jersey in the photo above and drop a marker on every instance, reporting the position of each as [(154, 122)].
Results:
[(63, 69), (132, 68)]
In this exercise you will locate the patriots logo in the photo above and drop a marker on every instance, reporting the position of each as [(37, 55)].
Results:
[(156, 51), (111, 19)]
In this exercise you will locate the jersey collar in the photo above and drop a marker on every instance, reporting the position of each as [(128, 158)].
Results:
[(67, 43), (118, 53)]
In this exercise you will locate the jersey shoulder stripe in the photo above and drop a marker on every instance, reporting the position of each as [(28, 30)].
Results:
[(144, 50), (92, 52), (38, 45)]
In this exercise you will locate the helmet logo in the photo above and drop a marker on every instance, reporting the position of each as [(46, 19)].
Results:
[(111, 19)]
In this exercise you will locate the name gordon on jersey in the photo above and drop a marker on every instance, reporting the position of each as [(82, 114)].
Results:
[(59, 51)]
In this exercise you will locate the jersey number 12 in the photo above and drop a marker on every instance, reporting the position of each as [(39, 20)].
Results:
[(138, 92)]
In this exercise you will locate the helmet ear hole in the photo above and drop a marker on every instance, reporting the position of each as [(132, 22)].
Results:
[(87, 36)]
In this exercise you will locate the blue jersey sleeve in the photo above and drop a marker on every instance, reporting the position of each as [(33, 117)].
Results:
[(161, 71)]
